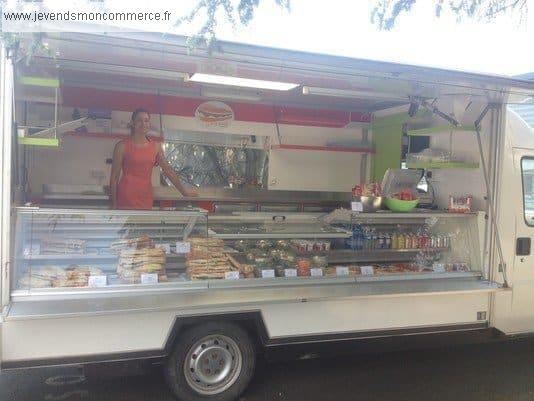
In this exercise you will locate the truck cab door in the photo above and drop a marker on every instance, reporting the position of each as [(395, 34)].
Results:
[(514, 310)]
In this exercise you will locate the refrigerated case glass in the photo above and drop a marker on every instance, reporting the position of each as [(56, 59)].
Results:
[(93, 248), (366, 246), (75, 249)]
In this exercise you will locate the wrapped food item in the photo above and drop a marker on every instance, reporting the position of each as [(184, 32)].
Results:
[(460, 204), (288, 256), (245, 270), (264, 244), (301, 246), (31, 281), (283, 244), (276, 253), (303, 267), (241, 245), (319, 261), (41, 277), (76, 276), (206, 248), (135, 262), (255, 253), (332, 271), (279, 270), (457, 267), (141, 242), (215, 268), (50, 246)]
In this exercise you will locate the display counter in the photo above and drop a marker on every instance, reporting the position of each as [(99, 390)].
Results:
[(221, 199), (81, 251)]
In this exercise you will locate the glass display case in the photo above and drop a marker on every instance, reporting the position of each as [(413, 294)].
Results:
[(100, 248), (366, 246), (58, 249)]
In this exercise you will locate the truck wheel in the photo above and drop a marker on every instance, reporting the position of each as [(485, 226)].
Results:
[(212, 361)]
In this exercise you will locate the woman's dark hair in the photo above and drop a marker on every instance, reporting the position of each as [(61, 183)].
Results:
[(135, 113)]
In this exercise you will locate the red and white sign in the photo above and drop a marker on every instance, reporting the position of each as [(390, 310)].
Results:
[(215, 114)]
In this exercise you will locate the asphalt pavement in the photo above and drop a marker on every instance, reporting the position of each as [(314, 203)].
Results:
[(487, 372)]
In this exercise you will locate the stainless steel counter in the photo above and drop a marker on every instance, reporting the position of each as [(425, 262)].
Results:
[(219, 194), (105, 302)]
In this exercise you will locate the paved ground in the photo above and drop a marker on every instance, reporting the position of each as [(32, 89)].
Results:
[(496, 372)]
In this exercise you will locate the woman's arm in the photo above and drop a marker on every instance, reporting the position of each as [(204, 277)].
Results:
[(171, 174), (116, 168)]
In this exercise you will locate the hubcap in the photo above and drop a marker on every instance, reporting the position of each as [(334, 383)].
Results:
[(212, 364)]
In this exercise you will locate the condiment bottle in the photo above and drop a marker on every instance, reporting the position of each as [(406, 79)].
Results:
[(395, 241), (401, 241)]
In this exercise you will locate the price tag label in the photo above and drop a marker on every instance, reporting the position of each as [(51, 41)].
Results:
[(183, 247), (233, 275), (316, 272), (267, 273), (165, 247), (97, 281), (356, 206), (367, 270), (342, 271), (438, 268), (290, 272), (149, 278)]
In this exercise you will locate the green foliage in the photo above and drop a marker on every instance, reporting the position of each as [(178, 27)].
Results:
[(210, 11), (23, 50), (385, 14)]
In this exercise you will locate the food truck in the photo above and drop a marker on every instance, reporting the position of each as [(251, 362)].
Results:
[(338, 199)]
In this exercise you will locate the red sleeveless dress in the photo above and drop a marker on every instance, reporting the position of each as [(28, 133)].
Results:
[(134, 190)]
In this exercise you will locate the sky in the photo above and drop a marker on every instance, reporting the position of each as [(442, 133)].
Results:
[(342, 27)]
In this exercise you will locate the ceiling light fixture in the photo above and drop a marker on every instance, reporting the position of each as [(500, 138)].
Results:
[(351, 94), (240, 82), (219, 94)]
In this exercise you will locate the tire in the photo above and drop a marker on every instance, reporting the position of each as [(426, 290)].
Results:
[(211, 361)]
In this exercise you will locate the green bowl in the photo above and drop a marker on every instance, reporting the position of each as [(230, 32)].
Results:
[(396, 205)]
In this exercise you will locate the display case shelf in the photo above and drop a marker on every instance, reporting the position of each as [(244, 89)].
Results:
[(86, 257), (317, 235), (378, 255)]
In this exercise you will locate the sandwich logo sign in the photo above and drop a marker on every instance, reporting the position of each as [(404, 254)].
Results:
[(215, 114)]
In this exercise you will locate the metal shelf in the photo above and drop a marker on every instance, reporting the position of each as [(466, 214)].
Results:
[(111, 237), (104, 227), (282, 235), (74, 257), (419, 214), (377, 255)]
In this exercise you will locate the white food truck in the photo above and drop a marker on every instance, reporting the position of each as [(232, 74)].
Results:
[(289, 241)]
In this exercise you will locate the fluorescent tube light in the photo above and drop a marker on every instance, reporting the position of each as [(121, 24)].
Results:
[(241, 82), (352, 94)]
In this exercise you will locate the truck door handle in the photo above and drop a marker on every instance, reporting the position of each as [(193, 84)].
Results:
[(522, 246)]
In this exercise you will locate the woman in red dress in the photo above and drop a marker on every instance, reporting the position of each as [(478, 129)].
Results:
[(133, 161)]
